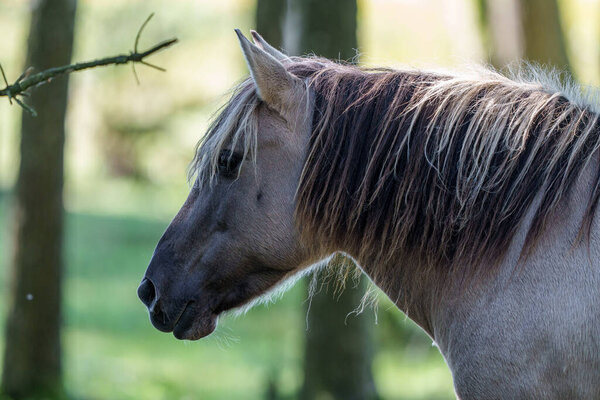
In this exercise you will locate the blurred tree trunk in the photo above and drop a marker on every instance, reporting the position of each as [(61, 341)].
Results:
[(523, 29), (32, 359), (269, 20), (338, 347), (542, 33), (338, 351), (501, 31), (325, 28)]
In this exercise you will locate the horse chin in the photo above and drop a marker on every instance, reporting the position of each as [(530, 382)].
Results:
[(194, 325), (199, 318)]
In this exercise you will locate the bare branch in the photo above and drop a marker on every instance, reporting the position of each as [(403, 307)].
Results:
[(152, 66), (26, 107), (5, 82), (135, 75), (28, 80), (137, 37)]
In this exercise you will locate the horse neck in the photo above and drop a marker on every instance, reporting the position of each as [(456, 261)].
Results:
[(352, 206), (415, 291), (437, 299)]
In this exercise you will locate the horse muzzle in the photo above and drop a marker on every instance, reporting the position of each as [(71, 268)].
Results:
[(186, 320)]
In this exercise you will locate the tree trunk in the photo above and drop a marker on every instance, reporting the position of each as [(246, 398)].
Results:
[(523, 29), (338, 350), (501, 31), (338, 347), (543, 36), (269, 21), (32, 359)]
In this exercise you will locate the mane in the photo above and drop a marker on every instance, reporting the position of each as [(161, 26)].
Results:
[(234, 125), (441, 166)]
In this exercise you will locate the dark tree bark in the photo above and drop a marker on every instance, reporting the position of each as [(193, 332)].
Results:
[(32, 359), (338, 351), (523, 29), (269, 21), (542, 33), (338, 348), (325, 28)]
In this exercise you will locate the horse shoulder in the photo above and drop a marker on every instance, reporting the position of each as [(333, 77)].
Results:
[(534, 330)]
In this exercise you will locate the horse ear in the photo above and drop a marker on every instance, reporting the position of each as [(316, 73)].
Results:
[(262, 43), (274, 84)]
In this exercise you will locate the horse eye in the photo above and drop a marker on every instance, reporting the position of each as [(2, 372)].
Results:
[(229, 163)]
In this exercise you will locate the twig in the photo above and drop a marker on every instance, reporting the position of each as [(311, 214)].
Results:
[(26, 107), (6, 82), (27, 80), (135, 45), (137, 37)]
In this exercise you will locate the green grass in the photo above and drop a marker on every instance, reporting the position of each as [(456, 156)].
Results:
[(115, 353), (112, 351)]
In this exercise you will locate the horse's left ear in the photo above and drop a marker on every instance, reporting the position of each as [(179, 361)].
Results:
[(263, 44), (274, 84)]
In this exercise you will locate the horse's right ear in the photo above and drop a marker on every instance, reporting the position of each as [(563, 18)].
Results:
[(277, 87)]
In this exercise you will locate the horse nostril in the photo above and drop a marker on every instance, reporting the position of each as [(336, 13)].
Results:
[(146, 292)]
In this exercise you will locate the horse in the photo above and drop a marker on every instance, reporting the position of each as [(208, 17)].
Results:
[(468, 197)]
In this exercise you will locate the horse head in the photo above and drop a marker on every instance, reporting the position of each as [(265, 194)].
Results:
[(235, 236)]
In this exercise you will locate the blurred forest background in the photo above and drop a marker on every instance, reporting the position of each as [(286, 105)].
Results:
[(126, 153)]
